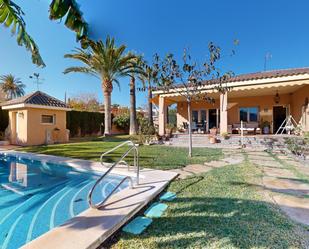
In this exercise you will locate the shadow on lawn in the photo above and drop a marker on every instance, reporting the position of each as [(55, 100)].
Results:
[(215, 222), (197, 222)]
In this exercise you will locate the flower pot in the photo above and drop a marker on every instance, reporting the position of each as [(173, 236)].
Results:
[(266, 130), (212, 140)]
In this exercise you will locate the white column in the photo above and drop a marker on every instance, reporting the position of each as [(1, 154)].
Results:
[(223, 112), (162, 115)]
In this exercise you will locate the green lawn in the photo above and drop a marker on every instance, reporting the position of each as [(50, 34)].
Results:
[(220, 209), (155, 156)]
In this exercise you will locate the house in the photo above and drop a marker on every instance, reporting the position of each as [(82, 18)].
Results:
[(36, 119), (258, 99)]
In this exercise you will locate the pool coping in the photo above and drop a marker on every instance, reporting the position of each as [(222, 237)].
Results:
[(92, 227)]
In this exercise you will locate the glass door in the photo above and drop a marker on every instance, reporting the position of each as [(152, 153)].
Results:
[(212, 118)]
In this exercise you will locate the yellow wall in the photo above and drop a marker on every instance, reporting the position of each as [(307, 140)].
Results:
[(182, 109), (37, 130), (299, 110), (32, 131), (22, 115), (264, 103)]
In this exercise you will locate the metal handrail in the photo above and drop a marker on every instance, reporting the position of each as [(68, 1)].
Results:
[(120, 161)]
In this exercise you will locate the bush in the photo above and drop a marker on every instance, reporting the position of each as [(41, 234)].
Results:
[(122, 121), (84, 123), (296, 145), (145, 130)]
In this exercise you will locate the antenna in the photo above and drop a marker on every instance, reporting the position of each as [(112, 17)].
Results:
[(37, 80), (268, 56)]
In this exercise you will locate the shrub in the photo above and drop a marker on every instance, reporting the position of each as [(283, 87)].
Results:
[(145, 130), (225, 135), (144, 127), (122, 121)]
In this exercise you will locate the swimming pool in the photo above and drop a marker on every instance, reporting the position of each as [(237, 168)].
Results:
[(36, 196)]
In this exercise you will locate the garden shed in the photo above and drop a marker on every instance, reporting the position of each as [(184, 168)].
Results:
[(36, 119)]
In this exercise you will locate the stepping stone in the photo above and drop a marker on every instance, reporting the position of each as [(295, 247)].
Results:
[(168, 196), (138, 225), (155, 210)]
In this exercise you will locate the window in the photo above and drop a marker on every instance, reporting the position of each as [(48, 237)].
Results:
[(195, 116), (248, 114), (48, 119), (243, 114)]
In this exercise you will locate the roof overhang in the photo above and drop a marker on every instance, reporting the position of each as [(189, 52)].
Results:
[(295, 80), (24, 106)]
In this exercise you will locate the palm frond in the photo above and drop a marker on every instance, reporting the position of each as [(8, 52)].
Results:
[(11, 15), (85, 70), (74, 18)]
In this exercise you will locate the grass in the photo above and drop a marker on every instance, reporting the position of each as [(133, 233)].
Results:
[(218, 210), (155, 156)]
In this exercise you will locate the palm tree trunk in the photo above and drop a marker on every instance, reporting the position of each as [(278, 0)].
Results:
[(133, 122), (107, 113), (150, 116), (107, 87)]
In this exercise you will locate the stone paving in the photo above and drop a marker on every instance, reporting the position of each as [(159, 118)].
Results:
[(230, 157), (284, 185), (281, 183)]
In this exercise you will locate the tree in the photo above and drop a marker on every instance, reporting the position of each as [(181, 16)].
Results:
[(11, 15), (11, 86), (148, 78), (133, 119), (107, 62), (85, 102), (188, 78)]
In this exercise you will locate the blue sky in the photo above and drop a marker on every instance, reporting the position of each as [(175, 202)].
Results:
[(145, 26)]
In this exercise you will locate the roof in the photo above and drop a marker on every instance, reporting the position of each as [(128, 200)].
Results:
[(270, 74), (257, 76), (37, 98)]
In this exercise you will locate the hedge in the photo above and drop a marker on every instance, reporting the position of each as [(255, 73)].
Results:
[(4, 120), (84, 123)]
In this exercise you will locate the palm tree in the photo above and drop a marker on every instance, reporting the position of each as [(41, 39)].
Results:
[(107, 62), (138, 71), (133, 121), (11, 86), (148, 77)]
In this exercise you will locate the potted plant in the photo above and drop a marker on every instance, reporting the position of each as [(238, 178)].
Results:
[(212, 139), (266, 127), (169, 129), (225, 135)]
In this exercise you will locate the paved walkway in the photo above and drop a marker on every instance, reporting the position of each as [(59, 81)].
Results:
[(231, 156), (286, 182)]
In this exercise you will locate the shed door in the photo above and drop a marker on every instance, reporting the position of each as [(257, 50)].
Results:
[(17, 127)]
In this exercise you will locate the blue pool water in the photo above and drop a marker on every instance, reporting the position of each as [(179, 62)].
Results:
[(37, 196)]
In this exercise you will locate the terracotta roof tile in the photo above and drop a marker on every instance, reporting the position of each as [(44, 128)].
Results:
[(259, 75), (36, 98)]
